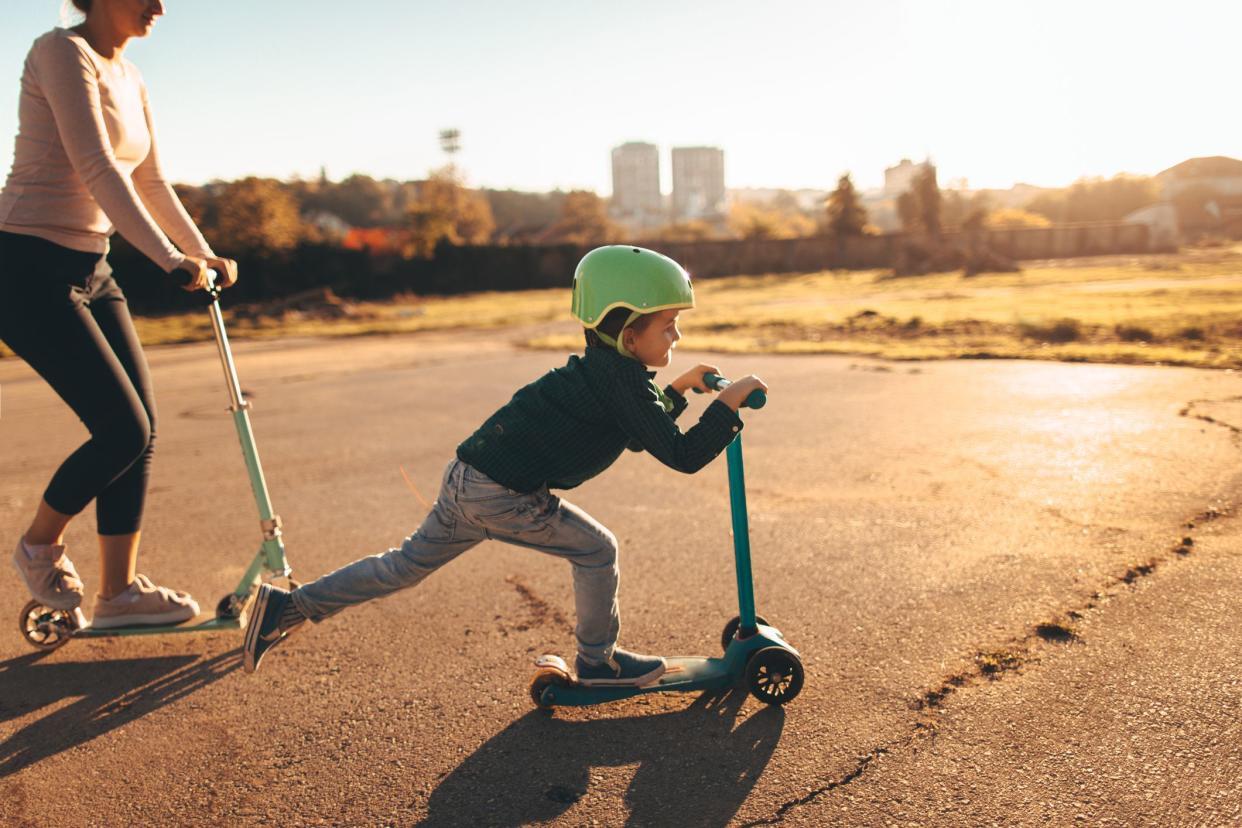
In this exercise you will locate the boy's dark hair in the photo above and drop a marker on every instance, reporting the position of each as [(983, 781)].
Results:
[(611, 325)]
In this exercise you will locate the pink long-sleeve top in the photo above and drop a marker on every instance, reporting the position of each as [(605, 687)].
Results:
[(85, 161)]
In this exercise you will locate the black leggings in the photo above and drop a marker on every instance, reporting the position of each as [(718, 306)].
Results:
[(62, 312)]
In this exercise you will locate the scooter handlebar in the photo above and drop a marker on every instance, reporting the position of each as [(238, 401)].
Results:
[(756, 399), (182, 277)]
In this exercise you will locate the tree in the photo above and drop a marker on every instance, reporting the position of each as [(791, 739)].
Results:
[(919, 207), (359, 200), (584, 220), (1012, 217), (686, 231), (446, 211), (846, 215), (253, 215), (778, 218), (960, 211), (1096, 199)]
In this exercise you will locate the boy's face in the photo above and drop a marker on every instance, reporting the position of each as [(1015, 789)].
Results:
[(653, 345)]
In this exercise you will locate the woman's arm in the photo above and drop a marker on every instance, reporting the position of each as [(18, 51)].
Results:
[(68, 82), (158, 196)]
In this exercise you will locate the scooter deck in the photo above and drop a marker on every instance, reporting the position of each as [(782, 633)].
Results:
[(683, 674), (211, 625)]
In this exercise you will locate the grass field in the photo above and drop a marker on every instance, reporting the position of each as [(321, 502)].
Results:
[(1176, 309)]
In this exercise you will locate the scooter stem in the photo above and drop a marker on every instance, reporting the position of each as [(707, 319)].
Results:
[(272, 555), (741, 538)]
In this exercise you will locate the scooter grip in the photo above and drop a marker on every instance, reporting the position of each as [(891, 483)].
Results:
[(755, 399), (183, 277)]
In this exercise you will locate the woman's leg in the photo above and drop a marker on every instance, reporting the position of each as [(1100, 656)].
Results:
[(48, 526), (119, 506)]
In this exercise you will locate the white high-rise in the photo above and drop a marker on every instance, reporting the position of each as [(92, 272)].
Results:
[(636, 199), (698, 183)]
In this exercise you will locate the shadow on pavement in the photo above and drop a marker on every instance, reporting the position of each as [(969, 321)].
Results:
[(694, 766), (106, 695)]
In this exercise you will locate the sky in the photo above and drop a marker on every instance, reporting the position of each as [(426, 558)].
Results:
[(795, 92)]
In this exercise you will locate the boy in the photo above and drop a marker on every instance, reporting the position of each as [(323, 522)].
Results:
[(555, 433)]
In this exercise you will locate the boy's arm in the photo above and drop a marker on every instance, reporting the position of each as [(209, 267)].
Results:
[(642, 417), (679, 402), (679, 405)]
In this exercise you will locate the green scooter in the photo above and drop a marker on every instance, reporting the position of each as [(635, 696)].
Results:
[(754, 651), (46, 628)]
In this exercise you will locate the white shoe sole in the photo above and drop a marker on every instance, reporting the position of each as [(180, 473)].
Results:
[(68, 602), (112, 622), (641, 681)]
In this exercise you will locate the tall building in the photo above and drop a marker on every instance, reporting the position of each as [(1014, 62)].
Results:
[(636, 199), (698, 183)]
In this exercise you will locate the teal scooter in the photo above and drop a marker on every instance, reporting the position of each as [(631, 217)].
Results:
[(46, 628), (754, 651)]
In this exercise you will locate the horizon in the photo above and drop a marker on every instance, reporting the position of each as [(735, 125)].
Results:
[(996, 94)]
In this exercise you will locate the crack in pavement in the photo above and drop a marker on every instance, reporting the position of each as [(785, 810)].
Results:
[(1189, 411), (539, 611), (857, 771), (992, 665)]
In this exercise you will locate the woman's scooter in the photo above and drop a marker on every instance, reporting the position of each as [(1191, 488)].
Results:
[(753, 650), (47, 628)]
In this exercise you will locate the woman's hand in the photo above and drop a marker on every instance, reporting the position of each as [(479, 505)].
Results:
[(226, 271), (736, 394), (197, 268), (694, 379)]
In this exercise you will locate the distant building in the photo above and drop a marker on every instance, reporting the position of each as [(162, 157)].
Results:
[(698, 183), (900, 178), (1204, 196), (636, 199)]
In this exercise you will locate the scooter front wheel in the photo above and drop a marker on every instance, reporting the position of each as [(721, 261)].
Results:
[(774, 675), (542, 681), (730, 629), (45, 628)]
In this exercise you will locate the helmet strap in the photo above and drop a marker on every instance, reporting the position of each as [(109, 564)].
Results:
[(617, 343)]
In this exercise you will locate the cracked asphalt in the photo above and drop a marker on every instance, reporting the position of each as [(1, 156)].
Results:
[(913, 526)]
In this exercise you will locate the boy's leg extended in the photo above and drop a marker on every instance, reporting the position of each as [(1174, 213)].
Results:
[(560, 528), (441, 538)]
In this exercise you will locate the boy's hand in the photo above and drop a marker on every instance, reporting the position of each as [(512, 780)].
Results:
[(694, 379), (736, 394)]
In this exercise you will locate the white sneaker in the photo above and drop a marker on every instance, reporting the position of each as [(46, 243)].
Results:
[(49, 575), (142, 604)]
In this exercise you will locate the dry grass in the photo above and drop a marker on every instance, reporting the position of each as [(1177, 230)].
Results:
[(1183, 309)]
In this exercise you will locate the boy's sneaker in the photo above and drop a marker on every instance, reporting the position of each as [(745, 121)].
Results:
[(623, 669), (142, 604), (49, 575), (272, 618)]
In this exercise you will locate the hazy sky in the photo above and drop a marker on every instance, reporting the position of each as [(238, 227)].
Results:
[(794, 92)]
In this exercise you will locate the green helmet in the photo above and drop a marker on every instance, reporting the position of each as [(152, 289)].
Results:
[(621, 276)]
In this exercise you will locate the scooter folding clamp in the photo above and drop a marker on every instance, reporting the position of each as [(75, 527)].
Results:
[(271, 528)]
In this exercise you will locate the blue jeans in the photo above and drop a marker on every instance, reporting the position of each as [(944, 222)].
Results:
[(471, 508)]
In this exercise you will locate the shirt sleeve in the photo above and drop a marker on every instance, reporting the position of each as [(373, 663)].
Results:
[(643, 419), (158, 196), (68, 81), (679, 402)]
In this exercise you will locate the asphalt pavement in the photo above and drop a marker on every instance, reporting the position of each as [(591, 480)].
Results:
[(984, 564)]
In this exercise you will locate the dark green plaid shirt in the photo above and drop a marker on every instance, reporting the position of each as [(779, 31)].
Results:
[(573, 422)]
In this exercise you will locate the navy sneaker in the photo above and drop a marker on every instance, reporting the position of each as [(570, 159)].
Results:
[(623, 669), (267, 626)]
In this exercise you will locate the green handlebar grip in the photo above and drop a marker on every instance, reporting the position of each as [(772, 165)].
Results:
[(756, 398)]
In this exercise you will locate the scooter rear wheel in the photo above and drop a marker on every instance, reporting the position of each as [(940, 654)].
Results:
[(543, 680), (730, 629), (774, 675), (43, 627)]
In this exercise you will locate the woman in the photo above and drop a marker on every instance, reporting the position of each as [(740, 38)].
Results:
[(84, 164)]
